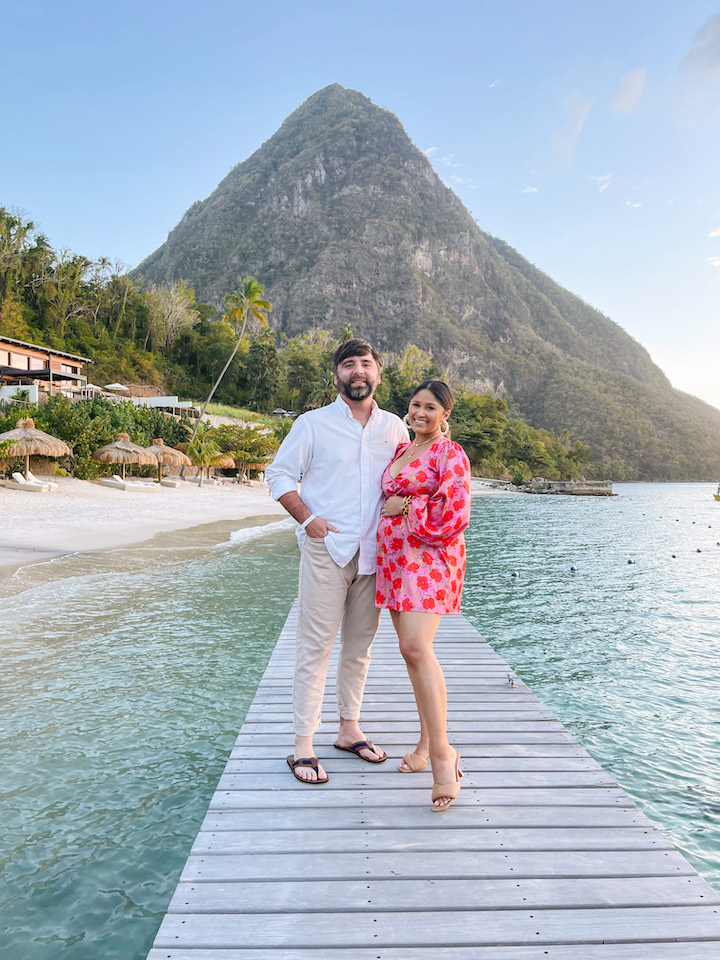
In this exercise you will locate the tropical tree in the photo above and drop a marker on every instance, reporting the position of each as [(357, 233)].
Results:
[(323, 391), (171, 312), (201, 448), (263, 372), (246, 301), (282, 428)]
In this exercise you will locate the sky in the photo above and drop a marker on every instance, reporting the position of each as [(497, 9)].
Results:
[(585, 135)]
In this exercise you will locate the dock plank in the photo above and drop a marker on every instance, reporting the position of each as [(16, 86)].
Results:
[(542, 857), (412, 929)]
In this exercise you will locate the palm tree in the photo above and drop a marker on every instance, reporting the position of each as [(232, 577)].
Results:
[(201, 448), (346, 332), (323, 391), (282, 429), (246, 301)]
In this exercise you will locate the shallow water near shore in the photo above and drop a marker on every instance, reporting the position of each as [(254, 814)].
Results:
[(126, 674)]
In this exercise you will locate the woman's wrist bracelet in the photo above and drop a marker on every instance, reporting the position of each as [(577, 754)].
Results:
[(406, 506), (307, 520)]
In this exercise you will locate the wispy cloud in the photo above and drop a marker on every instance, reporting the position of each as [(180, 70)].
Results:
[(629, 203), (450, 160), (715, 261), (704, 58), (603, 181), (429, 152), (462, 181), (494, 84), (698, 99), (629, 92), (576, 109), (530, 190), (715, 232)]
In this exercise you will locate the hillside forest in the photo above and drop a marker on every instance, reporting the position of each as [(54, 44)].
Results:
[(160, 335)]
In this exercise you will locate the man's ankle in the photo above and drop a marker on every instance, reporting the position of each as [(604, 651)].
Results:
[(303, 747)]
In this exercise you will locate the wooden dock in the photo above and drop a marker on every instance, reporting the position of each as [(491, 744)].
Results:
[(542, 857)]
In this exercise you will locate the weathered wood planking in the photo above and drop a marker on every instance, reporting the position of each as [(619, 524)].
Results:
[(542, 857)]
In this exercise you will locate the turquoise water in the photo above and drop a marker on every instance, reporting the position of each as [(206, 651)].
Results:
[(126, 674)]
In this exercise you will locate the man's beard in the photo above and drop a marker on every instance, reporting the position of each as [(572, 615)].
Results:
[(357, 391)]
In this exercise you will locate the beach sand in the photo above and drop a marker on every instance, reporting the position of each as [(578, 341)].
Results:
[(82, 516)]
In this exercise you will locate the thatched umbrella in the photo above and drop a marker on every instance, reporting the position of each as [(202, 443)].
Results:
[(124, 451), (27, 442), (167, 455)]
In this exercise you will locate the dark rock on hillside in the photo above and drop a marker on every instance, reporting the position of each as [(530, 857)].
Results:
[(344, 221)]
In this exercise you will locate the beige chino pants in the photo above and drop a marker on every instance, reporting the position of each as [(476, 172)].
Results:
[(329, 595)]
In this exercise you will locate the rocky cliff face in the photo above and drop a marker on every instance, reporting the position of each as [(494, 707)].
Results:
[(344, 221)]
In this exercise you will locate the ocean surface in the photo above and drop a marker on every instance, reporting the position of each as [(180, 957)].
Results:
[(125, 676)]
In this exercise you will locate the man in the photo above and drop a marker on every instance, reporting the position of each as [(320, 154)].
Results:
[(340, 451)]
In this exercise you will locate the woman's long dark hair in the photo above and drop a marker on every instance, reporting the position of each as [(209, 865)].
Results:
[(439, 389)]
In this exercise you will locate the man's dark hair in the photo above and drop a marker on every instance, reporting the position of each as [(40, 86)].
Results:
[(357, 347)]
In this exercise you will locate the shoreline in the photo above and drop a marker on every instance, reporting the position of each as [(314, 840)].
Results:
[(81, 516)]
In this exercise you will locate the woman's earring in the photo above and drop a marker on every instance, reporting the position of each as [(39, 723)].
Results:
[(406, 421), (444, 428)]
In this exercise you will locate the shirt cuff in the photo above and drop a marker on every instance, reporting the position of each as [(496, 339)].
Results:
[(280, 486)]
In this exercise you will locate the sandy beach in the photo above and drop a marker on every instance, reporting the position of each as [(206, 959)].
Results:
[(81, 516)]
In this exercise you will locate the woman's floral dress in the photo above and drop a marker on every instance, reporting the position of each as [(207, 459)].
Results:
[(421, 557)]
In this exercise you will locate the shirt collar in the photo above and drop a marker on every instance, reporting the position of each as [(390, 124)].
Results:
[(345, 408)]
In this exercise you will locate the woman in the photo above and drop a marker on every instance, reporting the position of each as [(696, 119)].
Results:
[(421, 566)]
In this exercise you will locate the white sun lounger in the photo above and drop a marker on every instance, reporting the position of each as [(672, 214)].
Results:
[(49, 483), (19, 482), (119, 484)]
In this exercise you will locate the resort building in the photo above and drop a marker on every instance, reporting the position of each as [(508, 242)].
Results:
[(44, 372), (41, 371)]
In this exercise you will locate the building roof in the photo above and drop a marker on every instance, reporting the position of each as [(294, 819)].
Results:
[(13, 373), (40, 346)]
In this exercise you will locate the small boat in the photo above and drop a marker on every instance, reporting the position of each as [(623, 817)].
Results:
[(717, 495)]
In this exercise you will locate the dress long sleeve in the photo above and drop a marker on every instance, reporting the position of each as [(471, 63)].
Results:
[(439, 516), (421, 557)]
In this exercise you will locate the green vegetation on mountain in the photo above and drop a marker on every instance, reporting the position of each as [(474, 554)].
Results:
[(346, 223), (347, 227)]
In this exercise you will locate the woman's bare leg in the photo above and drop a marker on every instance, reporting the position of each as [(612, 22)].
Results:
[(416, 632)]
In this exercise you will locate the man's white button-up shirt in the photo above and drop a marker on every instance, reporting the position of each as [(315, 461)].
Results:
[(341, 465)]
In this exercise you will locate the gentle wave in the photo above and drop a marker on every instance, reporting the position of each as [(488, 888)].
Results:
[(248, 534)]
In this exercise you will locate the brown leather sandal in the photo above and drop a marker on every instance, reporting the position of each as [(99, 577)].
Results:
[(306, 762), (380, 756)]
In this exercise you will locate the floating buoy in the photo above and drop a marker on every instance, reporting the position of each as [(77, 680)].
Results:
[(632, 561), (698, 550), (514, 574), (573, 568), (673, 556)]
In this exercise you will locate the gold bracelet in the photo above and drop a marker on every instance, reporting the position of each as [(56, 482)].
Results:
[(406, 506)]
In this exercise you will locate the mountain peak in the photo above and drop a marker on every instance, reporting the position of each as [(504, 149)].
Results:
[(344, 221)]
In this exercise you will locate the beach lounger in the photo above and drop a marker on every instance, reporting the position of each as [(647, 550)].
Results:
[(145, 484), (171, 482), (49, 483), (19, 482), (118, 483)]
